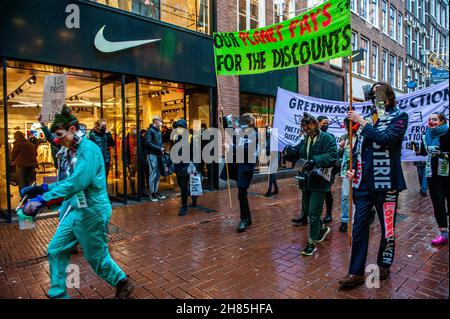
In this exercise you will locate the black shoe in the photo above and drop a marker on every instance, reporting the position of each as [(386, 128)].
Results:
[(243, 224), (275, 191), (309, 249), (183, 211), (124, 288), (194, 202), (159, 196), (327, 219), (249, 221), (153, 197), (268, 194), (351, 281), (302, 220), (323, 234), (423, 193), (344, 227)]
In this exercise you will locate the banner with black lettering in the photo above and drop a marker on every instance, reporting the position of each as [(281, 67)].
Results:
[(320, 34), (419, 105)]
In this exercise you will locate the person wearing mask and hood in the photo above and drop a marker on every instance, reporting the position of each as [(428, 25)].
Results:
[(182, 161), (103, 138), (435, 145), (24, 157), (377, 180), (317, 154), (86, 221)]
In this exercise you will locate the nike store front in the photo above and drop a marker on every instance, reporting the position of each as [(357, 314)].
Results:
[(121, 66)]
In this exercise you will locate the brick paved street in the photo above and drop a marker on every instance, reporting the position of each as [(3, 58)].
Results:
[(200, 255)]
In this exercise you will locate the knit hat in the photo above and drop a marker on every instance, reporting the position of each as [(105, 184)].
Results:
[(63, 120)]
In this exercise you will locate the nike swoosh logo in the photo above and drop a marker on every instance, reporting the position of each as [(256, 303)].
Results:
[(106, 46)]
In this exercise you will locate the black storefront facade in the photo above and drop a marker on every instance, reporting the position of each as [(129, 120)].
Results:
[(173, 77)]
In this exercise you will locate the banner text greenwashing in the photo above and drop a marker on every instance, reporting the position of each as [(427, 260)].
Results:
[(320, 34)]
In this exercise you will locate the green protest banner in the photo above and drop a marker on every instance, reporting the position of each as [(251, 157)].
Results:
[(320, 34)]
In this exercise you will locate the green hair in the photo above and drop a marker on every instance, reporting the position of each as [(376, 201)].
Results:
[(64, 120)]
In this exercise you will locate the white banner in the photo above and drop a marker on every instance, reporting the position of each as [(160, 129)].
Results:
[(54, 96), (419, 105)]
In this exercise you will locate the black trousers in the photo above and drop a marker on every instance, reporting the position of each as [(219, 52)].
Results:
[(243, 203), (438, 187), (183, 184), (26, 176), (386, 206)]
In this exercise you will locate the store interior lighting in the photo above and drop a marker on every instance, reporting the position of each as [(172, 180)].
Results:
[(19, 90)]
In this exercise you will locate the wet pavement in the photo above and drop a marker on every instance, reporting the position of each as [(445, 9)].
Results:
[(200, 255)]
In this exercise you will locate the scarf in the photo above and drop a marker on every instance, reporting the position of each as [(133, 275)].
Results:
[(431, 138), (67, 157)]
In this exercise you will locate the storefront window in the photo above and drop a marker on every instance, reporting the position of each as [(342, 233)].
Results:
[(3, 194), (189, 14), (263, 109)]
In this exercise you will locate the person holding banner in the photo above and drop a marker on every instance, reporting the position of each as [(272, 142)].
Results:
[(87, 220), (435, 144), (377, 180), (317, 153), (244, 152)]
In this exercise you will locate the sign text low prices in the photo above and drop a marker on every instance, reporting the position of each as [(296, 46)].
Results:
[(320, 34), (54, 96)]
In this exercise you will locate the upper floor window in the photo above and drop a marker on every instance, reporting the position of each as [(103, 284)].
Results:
[(384, 66), (285, 10), (374, 62), (374, 16), (251, 14), (190, 14), (392, 69), (400, 74), (353, 5), (421, 10), (365, 61), (400, 29), (363, 9), (408, 39), (384, 18), (438, 13), (354, 47), (392, 22), (432, 7), (432, 39)]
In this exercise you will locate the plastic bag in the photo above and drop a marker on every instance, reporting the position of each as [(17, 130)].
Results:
[(195, 184)]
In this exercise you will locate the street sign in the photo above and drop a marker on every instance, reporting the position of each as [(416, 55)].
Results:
[(357, 55), (438, 75), (411, 85)]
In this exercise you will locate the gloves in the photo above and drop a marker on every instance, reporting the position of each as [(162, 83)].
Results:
[(34, 205), (435, 153), (309, 165), (33, 191)]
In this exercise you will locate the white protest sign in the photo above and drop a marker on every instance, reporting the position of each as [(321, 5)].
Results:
[(419, 105), (54, 96)]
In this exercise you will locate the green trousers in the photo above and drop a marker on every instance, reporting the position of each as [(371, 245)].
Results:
[(312, 203), (90, 231)]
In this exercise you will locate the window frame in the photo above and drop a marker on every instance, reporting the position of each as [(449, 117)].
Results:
[(375, 57)]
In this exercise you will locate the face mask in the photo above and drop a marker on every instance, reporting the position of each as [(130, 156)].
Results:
[(324, 128), (432, 124), (381, 110)]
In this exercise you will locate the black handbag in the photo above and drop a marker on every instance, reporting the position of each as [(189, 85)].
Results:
[(165, 165)]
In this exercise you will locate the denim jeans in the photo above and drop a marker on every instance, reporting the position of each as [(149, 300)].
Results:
[(153, 179), (422, 178), (345, 192), (139, 7)]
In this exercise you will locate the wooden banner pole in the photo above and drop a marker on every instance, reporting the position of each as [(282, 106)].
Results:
[(350, 140)]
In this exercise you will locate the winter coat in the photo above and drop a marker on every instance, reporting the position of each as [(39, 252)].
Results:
[(444, 146), (104, 141), (24, 152), (325, 154), (153, 141)]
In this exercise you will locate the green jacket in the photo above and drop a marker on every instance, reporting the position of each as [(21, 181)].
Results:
[(324, 152)]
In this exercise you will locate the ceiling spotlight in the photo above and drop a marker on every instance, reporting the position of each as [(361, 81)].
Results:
[(127, 101), (17, 92), (32, 80), (70, 98), (77, 98), (12, 95), (81, 98)]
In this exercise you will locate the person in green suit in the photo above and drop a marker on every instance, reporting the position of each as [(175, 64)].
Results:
[(314, 156), (86, 223)]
